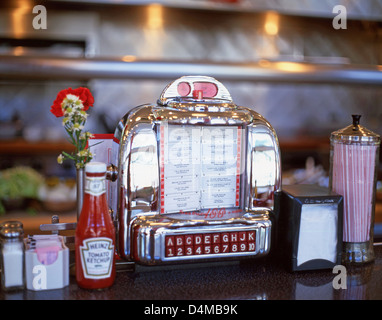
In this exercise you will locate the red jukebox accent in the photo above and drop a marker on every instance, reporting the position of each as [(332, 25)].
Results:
[(162, 168), (238, 166)]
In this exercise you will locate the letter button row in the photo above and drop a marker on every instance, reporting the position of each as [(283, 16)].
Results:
[(210, 243)]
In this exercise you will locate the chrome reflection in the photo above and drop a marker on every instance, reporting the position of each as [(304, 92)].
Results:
[(230, 159)]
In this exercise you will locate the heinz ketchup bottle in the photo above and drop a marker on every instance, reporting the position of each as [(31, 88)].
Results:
[(95, 234)]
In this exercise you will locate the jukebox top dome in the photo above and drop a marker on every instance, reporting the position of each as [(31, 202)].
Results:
[(197, 94), (197, 88)]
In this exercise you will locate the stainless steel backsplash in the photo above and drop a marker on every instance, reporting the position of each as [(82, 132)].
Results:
[(203, 33)]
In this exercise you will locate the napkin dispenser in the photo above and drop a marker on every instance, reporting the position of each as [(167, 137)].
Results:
[(309, 227)]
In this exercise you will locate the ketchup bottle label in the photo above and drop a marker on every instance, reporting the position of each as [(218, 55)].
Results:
[(97, 257), (95, 186)]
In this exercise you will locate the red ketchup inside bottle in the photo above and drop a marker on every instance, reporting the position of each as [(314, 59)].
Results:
[(95, 233)]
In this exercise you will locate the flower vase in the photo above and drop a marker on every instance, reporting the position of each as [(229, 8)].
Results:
[(80, 190)]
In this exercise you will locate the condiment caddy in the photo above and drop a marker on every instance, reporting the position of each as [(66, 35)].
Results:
[(46, 262)]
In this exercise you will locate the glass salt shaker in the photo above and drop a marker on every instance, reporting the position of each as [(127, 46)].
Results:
[(354, 153), (12, 255)]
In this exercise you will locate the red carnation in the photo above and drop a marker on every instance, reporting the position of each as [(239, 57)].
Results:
[(82, 93), (85, 96)]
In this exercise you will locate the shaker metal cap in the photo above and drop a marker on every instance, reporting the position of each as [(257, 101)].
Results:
[(11, 224), (355, 133), (11, 233)]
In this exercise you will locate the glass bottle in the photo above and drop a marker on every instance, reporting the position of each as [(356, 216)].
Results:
[(12, 255), (354, 157), (95, 234)]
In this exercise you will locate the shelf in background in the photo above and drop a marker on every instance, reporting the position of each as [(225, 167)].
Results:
[(298, 72), (23, 147), (305, 143), (323, 9)]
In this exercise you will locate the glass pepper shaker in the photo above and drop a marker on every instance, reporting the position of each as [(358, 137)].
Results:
[(12, 255), (354, 153)]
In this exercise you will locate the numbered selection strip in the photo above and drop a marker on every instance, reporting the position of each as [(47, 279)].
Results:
[(212, 244)]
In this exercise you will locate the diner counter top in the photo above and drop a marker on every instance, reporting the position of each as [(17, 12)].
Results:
[(264, 279)]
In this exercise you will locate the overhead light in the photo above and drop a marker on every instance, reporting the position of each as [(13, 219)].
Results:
[(271, 26), (154, 16)]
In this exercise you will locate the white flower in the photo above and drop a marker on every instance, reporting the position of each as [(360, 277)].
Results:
[(74, 118), (86, 135), (89, 135), (60, 159), (77, 107), (83, 136), (82, 114), (70, 99), (65, 120), (77, 127), (83, 153), (69, 111)]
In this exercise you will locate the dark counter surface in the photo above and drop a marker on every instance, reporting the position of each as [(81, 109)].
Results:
[(264, 279)]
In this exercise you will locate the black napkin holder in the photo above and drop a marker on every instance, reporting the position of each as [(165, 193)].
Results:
[(308, 227)]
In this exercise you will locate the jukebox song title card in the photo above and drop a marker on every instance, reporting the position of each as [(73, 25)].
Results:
[(200, 167)]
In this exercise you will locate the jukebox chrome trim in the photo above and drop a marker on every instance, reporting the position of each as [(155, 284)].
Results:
[(139, 196), (149, 234)]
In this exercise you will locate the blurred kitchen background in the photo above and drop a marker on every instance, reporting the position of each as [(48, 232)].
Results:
[(283, 58)]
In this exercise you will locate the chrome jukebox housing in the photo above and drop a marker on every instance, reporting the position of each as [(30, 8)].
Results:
[(151, 232)]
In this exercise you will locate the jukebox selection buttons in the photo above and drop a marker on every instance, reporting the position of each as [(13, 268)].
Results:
[(210, 243)]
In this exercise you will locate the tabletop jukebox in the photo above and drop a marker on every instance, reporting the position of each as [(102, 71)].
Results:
[(196, 177)]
